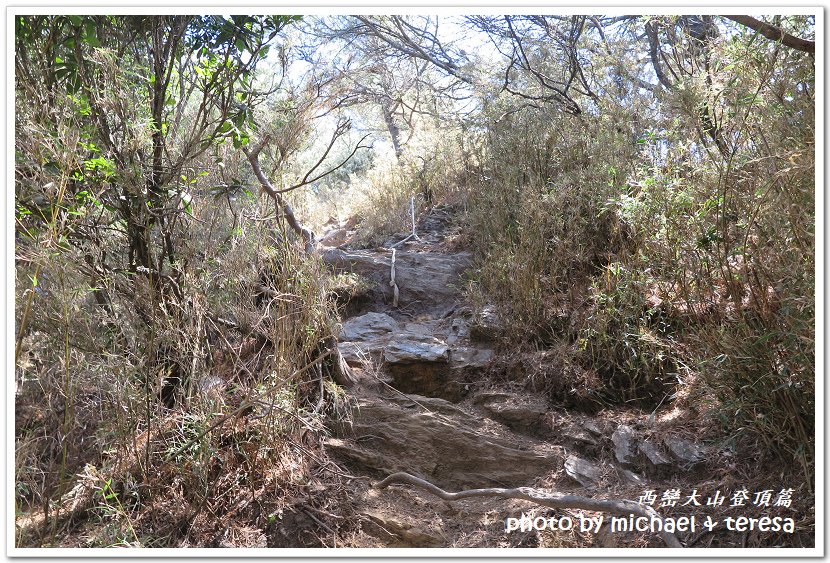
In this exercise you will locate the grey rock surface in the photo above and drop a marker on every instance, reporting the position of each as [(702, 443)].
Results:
[(685, 451), (429, 280), (586, 473), (623, 438), (443, 444), (653, 454)]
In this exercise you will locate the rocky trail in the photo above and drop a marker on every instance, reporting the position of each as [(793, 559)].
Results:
[(425, 403)]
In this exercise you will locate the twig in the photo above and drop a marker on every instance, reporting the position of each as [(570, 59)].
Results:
[(544, 498), (322, 525)]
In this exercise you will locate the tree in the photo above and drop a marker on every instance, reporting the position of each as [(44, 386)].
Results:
[(367, 71), (184, 81)]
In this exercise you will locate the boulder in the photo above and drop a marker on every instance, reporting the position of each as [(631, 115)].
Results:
[(653, 454), (686, 452)]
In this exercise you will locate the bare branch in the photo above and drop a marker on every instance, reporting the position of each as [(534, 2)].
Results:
[(305, 181)]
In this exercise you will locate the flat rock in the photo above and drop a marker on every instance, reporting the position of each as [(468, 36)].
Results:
[(442, 445), (586, 473), (470, 358), (368, 327), (623, 438), (405, 351)]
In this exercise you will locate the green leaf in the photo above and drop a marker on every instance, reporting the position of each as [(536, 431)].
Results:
[(91, 40)]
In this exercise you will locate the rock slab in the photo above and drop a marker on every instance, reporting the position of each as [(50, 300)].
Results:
[(439, 442)]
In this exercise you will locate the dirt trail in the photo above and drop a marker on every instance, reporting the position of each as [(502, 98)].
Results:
[(424, 404)]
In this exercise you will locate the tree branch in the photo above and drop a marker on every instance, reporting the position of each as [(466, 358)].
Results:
[(305, 181), (775, 34), (653, 49), (306, 233)]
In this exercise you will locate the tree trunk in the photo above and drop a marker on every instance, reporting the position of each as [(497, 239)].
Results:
[(394, 130)]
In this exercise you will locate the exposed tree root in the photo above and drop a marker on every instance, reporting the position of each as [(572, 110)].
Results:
[(544, 498)]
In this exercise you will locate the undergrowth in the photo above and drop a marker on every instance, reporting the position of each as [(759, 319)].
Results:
[(662, 267)]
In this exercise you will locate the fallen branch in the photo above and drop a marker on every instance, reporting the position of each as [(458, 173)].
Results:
[(543, 498)]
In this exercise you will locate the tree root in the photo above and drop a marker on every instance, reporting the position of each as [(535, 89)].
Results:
[(544, 498)]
